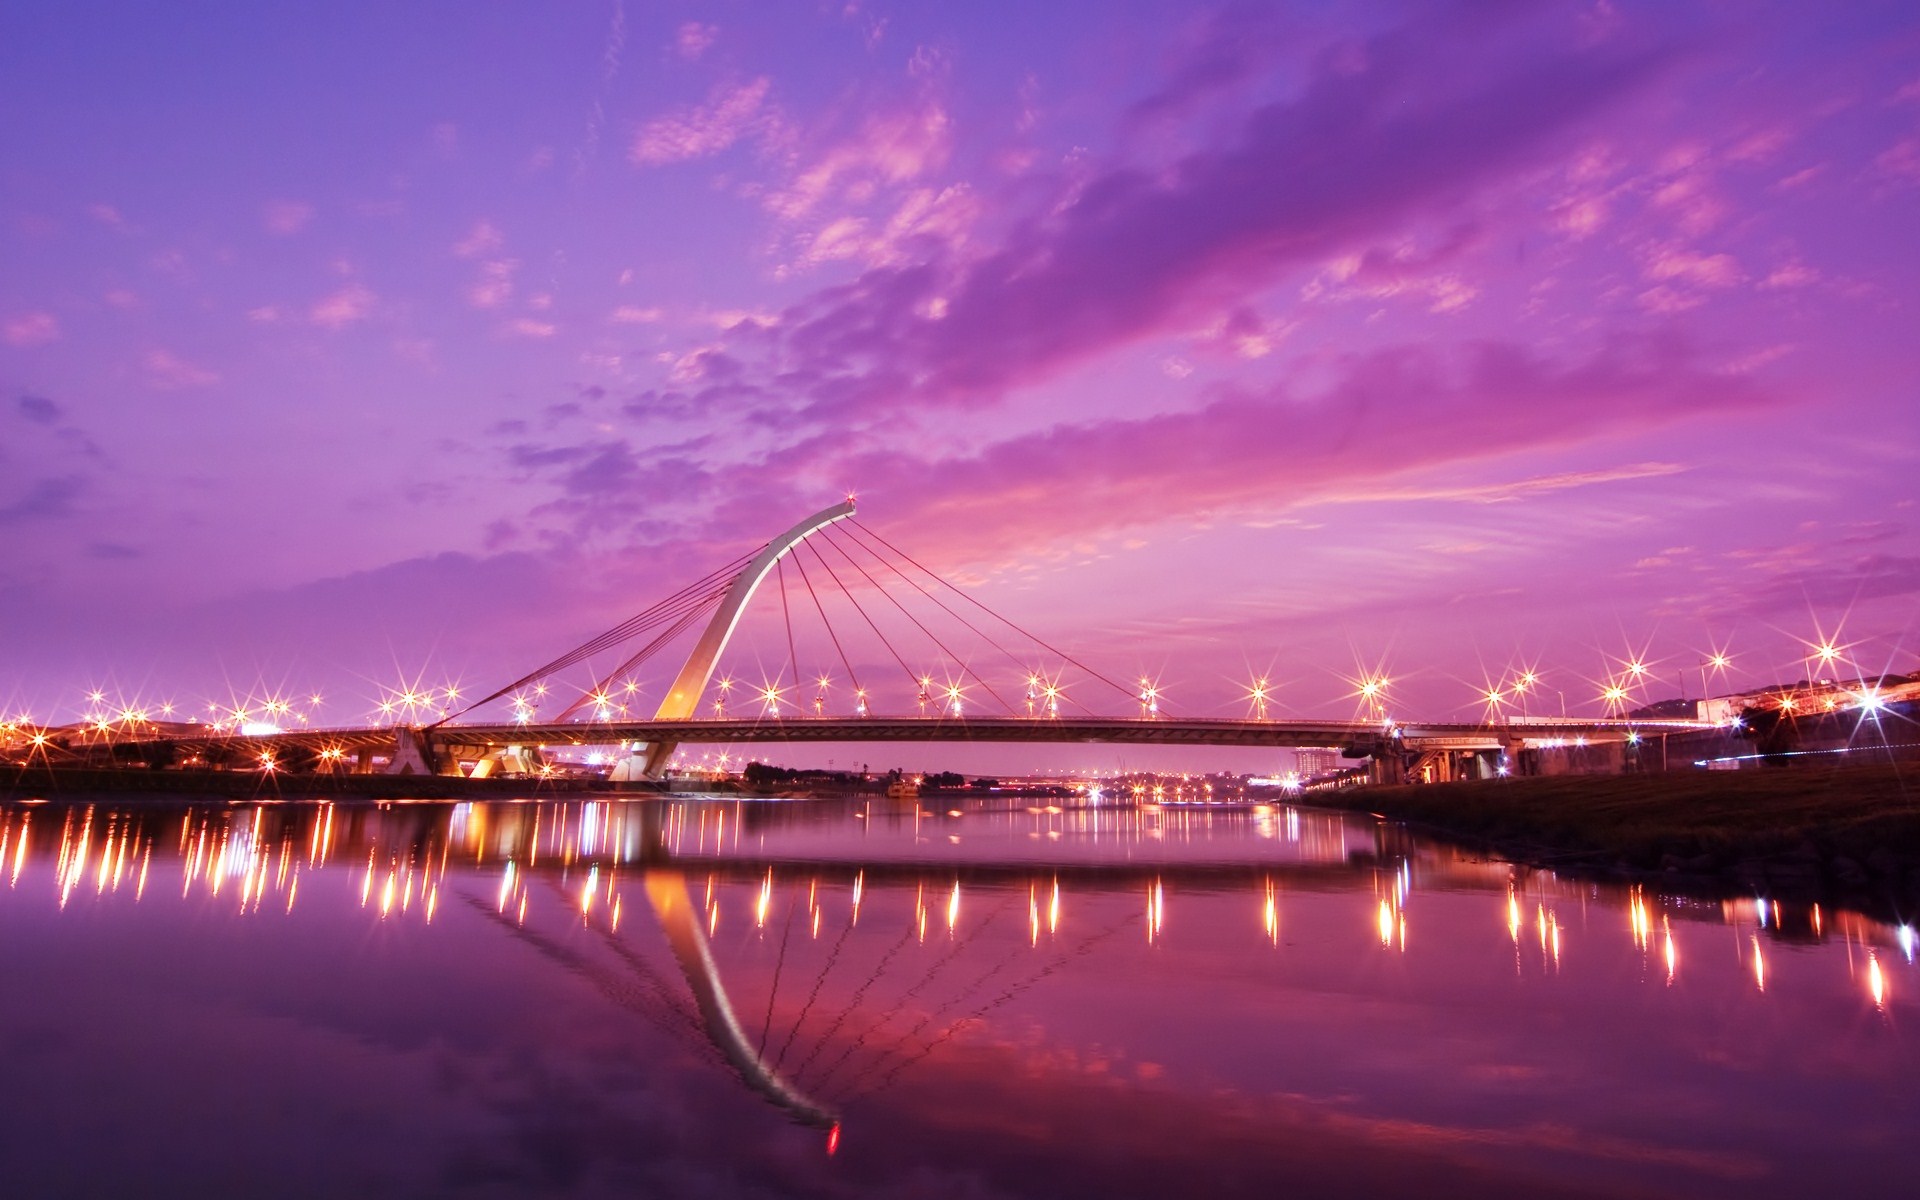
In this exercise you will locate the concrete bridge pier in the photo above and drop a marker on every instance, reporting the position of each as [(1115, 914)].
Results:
[(510, 759), (657, 755), (414, 753), (1389, 765)]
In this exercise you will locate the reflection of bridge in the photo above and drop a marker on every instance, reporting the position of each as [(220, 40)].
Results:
[(579, 860), (1398, 750)]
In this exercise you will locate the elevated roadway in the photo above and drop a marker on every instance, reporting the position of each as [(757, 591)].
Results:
[(439, 749)]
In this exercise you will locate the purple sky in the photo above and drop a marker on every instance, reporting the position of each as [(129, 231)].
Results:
[(346, 344)]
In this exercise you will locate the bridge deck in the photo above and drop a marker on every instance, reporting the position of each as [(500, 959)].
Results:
[(1164, 731)]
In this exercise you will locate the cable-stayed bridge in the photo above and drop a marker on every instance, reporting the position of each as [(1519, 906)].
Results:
[(893, 653)]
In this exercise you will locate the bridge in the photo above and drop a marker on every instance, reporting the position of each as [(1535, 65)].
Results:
[(448, 745), (1047, 709)]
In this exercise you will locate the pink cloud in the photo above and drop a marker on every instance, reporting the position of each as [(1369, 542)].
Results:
[(730, 114), (528, 327), (1666, 301), (483, 238), (694, 39), (30, 329), (1374, 435), (169, 372), (927, 220), (287, 217), (1800, 178), (629, 314), (1791, 274), (344, 307), (172, 263), (1675, 265), (1370, 436), (1691, 199), (108, 215), (495, 285), (1404, 270), (891, 149), (1583, 218), (1901, 160), (1132, 254)]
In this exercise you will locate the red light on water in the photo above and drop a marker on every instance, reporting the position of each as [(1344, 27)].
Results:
[(833, 1140)]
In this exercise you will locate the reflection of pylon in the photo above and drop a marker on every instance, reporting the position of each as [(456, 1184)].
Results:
[(668, 892)]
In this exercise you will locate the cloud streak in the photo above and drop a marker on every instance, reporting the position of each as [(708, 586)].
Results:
[(730, 114), (1131, 252)]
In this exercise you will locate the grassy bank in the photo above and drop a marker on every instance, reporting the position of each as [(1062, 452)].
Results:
[(1848, 831)]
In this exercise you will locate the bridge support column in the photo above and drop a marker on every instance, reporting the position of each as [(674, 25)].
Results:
[(657, 755), (1389, 765), (414, 754), (511, 760)]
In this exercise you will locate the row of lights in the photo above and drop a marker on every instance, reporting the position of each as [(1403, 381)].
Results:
[(412, 702)]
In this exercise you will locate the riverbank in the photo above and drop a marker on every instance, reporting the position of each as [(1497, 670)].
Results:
[(1811, 831), (81, 783)]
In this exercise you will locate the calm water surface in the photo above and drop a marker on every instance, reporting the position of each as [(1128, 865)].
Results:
[(854, 998)]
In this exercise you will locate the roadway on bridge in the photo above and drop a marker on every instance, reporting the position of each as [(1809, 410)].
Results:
[(1161, 731)]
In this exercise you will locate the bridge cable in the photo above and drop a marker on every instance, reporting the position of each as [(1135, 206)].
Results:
[(1010, 993), (899, 1004), (766, 1023), (685, 616), (937, 644), (853, 1005), (964, 668), (693, 594), (942, 606), (833, 960), (1127, 692), (913, 679), (802, 567), (646, 652), (622, 632), (895, 1057), (977, 631)]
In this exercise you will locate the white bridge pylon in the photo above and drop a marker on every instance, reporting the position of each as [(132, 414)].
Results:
[(683, 698)]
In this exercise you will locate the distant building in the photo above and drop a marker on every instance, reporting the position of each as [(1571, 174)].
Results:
[(1310, 763)]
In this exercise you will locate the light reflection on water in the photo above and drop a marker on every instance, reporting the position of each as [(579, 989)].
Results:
[(983, 997)]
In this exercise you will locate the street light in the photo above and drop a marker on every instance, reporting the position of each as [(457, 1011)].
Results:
[(1827, 653), (1522, 687), (1719, 661), (1373, 693)]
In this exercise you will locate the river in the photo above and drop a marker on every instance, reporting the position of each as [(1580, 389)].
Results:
[(989, 997)]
